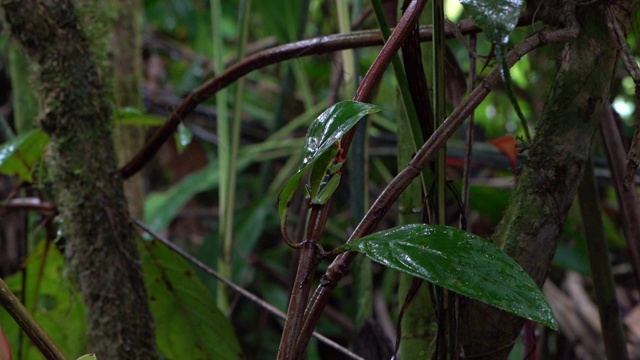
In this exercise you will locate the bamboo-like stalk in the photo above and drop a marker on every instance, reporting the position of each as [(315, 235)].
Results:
[(401, 77), (225, 233)]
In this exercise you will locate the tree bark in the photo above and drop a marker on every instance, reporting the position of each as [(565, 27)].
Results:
[(76, 112), (533, 222)]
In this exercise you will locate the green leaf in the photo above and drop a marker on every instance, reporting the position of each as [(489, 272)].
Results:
[(54, 302), (160, 208), (323, 132), (135, 117), (19, 156), (183, 138), (88, 357), (496, 17), (461, 262), (188, 324)]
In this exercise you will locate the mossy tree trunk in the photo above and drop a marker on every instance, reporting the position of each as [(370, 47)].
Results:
[(76, 112), (533, 222)]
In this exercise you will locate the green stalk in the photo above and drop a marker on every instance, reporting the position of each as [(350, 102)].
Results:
[(244, 11), (398, 69), (295, 32), (25, 106), (348, 56), (225, 234)]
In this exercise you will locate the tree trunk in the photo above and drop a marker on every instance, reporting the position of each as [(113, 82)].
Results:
[(76, 112), (533, 222)]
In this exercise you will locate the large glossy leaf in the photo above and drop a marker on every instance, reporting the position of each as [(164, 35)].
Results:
[(496, 17), (20, 155), (461, 262), (325, 130), (188, 323)]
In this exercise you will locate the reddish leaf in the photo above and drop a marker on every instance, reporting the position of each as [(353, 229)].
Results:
[(5, 349), (507, 146)]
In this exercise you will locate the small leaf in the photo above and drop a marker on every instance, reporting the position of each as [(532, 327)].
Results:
[(461, 262), (325, 130), (160, 208), (183, 138), (497, 18), (135, 117), (508, 146), (19, 156), (91, 356), (5, 347), (331, 125)]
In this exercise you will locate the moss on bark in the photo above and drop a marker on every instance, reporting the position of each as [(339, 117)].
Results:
[(100, 239)]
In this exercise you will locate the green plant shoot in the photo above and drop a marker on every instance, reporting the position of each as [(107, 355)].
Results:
[(325, 176), (323, 156)]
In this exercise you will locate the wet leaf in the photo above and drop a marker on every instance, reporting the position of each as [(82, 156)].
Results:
[(325, 130), (461, 262), (183, 138), (161, 207), (497, 18), (19, 156)]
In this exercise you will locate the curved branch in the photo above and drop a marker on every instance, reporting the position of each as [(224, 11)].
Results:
[(315, 46)]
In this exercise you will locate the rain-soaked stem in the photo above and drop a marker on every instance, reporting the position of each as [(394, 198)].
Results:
[(307, 264)]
